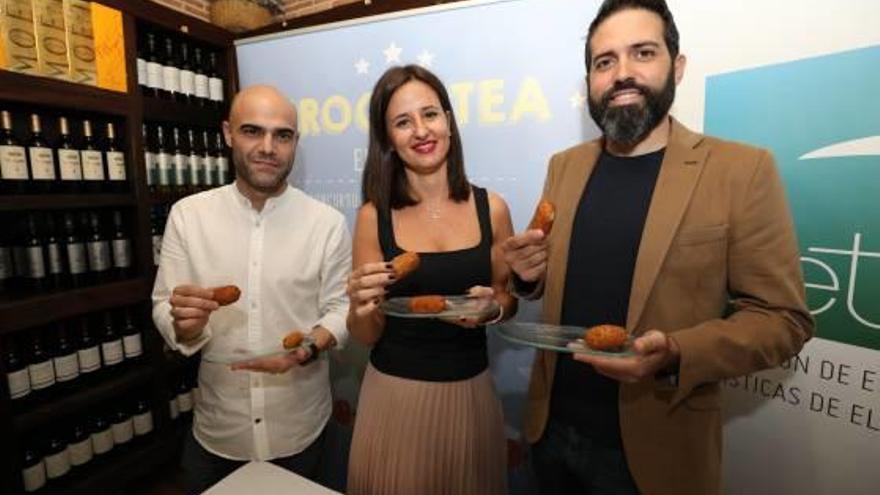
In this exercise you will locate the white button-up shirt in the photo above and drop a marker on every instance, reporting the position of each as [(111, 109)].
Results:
[(291, 261)]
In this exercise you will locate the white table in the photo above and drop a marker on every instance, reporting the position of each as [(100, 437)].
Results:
[(266, 478)]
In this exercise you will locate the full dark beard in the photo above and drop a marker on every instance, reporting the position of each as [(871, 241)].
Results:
[(629, 124)]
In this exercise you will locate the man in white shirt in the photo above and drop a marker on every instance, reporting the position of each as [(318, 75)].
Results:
[(290, 256)]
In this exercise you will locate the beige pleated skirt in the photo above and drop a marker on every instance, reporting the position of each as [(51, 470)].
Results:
[(415, 437)]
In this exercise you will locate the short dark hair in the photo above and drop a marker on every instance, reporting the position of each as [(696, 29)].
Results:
[(659, 7), (384, 181)]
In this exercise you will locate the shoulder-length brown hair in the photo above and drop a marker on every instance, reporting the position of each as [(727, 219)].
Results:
[(384, 181)]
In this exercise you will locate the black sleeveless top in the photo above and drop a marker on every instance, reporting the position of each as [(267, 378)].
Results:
[(430, 349)]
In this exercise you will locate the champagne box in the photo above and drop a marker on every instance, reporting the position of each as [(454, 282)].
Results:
[(18, 43), (80, 42), (51, 38)]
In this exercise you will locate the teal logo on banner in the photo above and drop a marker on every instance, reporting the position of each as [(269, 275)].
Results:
[(821, 119)]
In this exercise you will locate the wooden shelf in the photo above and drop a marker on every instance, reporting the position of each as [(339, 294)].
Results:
[(111, 472), (81, 395), (21, 313), (44, 91), (63, 201), (168, 111)]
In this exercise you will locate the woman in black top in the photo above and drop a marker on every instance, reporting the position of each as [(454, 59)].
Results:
[(428, 419)]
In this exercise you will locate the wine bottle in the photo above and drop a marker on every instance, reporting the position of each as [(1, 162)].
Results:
[(187, 76), (196, 164), (142, 417), (122, 427), (40, 369), (75, 252), (79, 444), (181, 165), (94, 175), (201, 79), (163, 164), (170, 71), (111, 343), (121, 247), (14, 176), (132, 343), (17, 377), (209, 161), (150, 162), (89, 353), (154, 68), (69, 162), (56, 458), (102, 435), (57, 272), (33, 469), (223, 171), (115, 158), (98, 248), (215, 84), (35, 253), (64, 359), (43, 170)]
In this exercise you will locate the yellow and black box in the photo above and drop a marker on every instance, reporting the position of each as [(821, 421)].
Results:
[(18, 44), (51, 38)]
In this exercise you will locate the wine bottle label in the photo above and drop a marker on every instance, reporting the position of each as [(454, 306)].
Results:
[(56, 262), (102, 441), (99, 255), (13, 164), (154, 75), (70, 165), (42, 163), (36, 263), (173, 408), (210, 165), (171, 78), (19, 383), (195, 170), (142, 71), (181, 169), (187, 82), (81, 452), (157, 249), (7, 270), (42, 375), (123, 432), (143, 423), (57, 465), (76, 256), (89, 359), (121, 253), (201, 86), (112, 352), (163, 164), (185, 401), (66, 367), (132, 345), (215, 88), (93, 165), (222, 169), (34, 477), (116, 165)]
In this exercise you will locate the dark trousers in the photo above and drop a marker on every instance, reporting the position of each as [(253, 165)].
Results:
[(565, 461), (202, 469)]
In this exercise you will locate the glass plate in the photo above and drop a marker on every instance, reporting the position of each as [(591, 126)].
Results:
[(456, 306), (560, 338), (240, 354)]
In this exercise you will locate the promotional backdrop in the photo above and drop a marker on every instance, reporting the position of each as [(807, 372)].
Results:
[(799, 78)]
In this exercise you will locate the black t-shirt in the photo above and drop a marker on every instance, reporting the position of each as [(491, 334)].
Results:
[(605, 240)]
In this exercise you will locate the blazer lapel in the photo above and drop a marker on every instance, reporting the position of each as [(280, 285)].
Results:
[(679, 173)]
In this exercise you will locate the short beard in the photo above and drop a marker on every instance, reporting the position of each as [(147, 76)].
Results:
[(630, 124), (242, 172)]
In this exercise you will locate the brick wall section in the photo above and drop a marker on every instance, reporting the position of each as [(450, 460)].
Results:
[(292, 8), (297, 8), (195, 8)]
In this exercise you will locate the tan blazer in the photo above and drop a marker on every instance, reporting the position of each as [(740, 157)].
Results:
[(718, 230)]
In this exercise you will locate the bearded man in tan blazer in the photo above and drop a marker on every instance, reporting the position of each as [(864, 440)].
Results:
[(684, 239)]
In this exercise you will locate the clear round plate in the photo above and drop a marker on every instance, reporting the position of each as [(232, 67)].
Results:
[(456, 307), (560, 338)]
